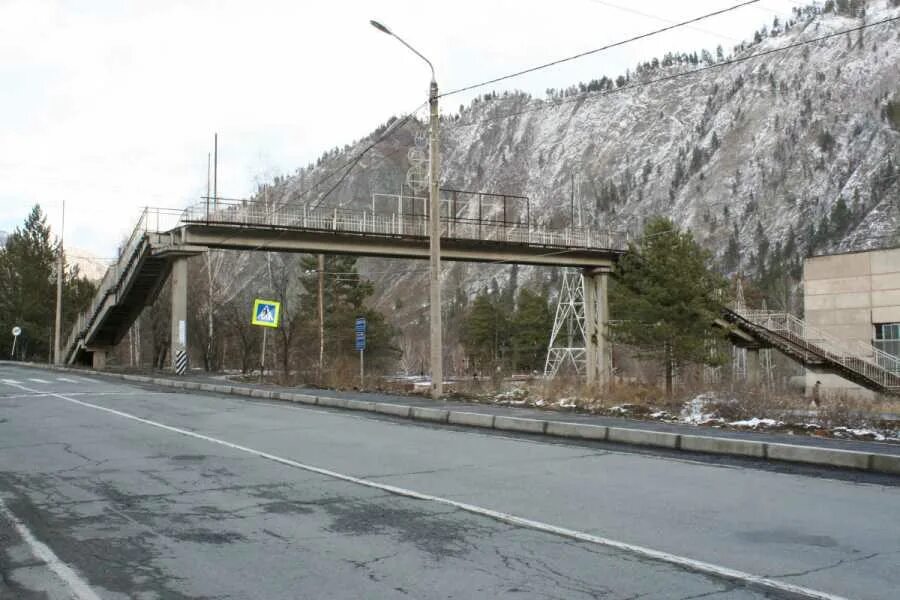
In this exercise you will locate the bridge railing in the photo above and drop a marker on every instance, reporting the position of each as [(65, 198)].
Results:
[(865, 359), (151, 220), (396, 224)]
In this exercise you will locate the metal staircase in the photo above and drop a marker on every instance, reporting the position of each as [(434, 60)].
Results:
[(860, 363)]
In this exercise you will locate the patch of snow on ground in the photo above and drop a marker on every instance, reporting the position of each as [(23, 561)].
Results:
[(694, 410), (859, 433), (755, 423)]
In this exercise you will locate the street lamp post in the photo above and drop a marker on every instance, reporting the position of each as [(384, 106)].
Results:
[(434, 225)]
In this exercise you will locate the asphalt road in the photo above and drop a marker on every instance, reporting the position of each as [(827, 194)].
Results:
[(109, 490)]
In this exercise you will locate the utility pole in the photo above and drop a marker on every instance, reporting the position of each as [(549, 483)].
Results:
[(209, 282), (215, 171), (60, 265), (321, 272), (437, 354), (434, 224)]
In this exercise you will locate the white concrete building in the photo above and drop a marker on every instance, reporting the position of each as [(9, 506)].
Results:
[(854, 297)]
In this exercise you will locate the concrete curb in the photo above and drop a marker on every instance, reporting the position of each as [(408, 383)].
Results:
[(811, 455)]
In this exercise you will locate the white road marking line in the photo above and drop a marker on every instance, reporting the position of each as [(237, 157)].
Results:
[(67, 380), (11, 382), (79, 587), (756, 581), (36, 380)]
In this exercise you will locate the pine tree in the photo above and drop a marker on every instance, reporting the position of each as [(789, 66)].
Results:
[(531, 326), (666, 297), (486, 332), (346, 295), (28, 266)]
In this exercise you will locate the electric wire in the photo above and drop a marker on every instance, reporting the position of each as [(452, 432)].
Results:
[(596, 50)]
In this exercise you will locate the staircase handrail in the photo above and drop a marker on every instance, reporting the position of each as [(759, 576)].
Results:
[(865, 359)]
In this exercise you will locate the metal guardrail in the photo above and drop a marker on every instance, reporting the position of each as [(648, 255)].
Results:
[(864, 359), (393, 224)]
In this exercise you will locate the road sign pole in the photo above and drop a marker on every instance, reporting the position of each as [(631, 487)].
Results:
[(16, 331), (262, 356), (361, 368)]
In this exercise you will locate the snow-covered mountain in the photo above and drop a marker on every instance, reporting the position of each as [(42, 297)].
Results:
[(794, 149)]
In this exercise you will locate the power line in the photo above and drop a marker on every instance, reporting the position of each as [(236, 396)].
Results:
[(596, 50), (724, 63), (664, 20), (356, 160)]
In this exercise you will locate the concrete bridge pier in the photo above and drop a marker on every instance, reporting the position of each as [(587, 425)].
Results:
[(753, 368), (98, 358), (596, 317), (179, 310)]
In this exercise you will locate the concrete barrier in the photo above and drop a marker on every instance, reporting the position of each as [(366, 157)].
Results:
[(395, 410), (643, 437), (332, 402), (363, 405), (304, 399), (470, 419), (519, 424), (885, 463), (713, 445), (819, 456), (436, 415), (207, 387), (580, 431)]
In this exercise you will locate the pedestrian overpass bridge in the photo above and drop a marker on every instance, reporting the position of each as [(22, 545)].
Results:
[(485, 228)]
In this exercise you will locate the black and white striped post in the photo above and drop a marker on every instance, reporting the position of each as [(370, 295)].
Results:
[(181, 361)]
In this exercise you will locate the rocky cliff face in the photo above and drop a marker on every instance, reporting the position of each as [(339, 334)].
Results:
[(794, 151)]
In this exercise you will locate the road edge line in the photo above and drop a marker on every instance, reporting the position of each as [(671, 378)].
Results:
[(68, 575)]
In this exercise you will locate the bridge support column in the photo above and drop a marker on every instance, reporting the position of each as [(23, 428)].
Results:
[(596, 316), (753, 367), (98, 359), (179, 313)]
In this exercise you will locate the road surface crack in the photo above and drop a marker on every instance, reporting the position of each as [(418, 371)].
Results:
[(843, 561)]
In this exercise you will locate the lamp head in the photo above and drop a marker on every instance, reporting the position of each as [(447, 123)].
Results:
[(380, 27)]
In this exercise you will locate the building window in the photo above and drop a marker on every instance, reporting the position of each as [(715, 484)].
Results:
[(887, 331), (887, 338)]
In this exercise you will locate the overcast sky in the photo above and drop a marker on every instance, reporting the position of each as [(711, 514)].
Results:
[(112, 105)]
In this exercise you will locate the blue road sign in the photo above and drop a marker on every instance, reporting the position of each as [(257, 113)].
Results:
[(360, 334)]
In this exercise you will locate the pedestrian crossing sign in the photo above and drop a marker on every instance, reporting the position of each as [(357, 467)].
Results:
[(266, 313)]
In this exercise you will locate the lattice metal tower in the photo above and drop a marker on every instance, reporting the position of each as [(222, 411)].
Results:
[(567, 341)]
